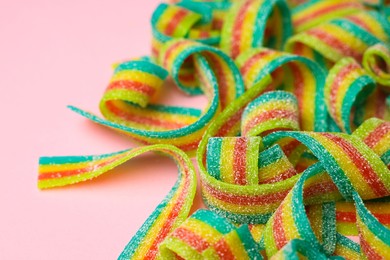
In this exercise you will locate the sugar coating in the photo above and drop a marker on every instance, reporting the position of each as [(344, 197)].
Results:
[(293, 147)]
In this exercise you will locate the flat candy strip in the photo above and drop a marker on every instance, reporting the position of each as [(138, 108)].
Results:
[(375, 133), (170, 213), (346, 216), (348, 36), (312, 13), (230, 159)]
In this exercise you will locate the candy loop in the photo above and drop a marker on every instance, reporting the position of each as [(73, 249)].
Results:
[(137, 82), (291, 221), (376, 61), (174, 21), (347, 85), (248, 25), (174, 55), (330, 243), (292, 73), (216, 73), (272, 111)]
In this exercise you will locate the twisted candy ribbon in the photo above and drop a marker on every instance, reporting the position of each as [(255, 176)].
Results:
[(350, 91), (300, 192), (347, 84)]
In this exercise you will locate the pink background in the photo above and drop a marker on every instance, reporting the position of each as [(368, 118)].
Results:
[(52, 54)]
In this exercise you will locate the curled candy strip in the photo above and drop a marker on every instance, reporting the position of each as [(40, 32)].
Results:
[(255, 23), (248, 203), (376, 61), (171, 212), (270, 111), (349, 36), (292, 73), (347, 85), (135, 83), (187, 19)]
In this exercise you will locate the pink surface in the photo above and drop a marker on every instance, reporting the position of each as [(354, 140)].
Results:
[(52, 54)]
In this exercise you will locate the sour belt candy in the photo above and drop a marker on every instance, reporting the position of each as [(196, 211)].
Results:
[(128, 103), (293, 147), (174, 209)]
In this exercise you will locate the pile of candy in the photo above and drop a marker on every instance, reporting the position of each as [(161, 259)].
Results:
[(293, 147)]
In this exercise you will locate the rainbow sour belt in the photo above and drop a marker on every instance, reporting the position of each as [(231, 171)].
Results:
[(293, 147)]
